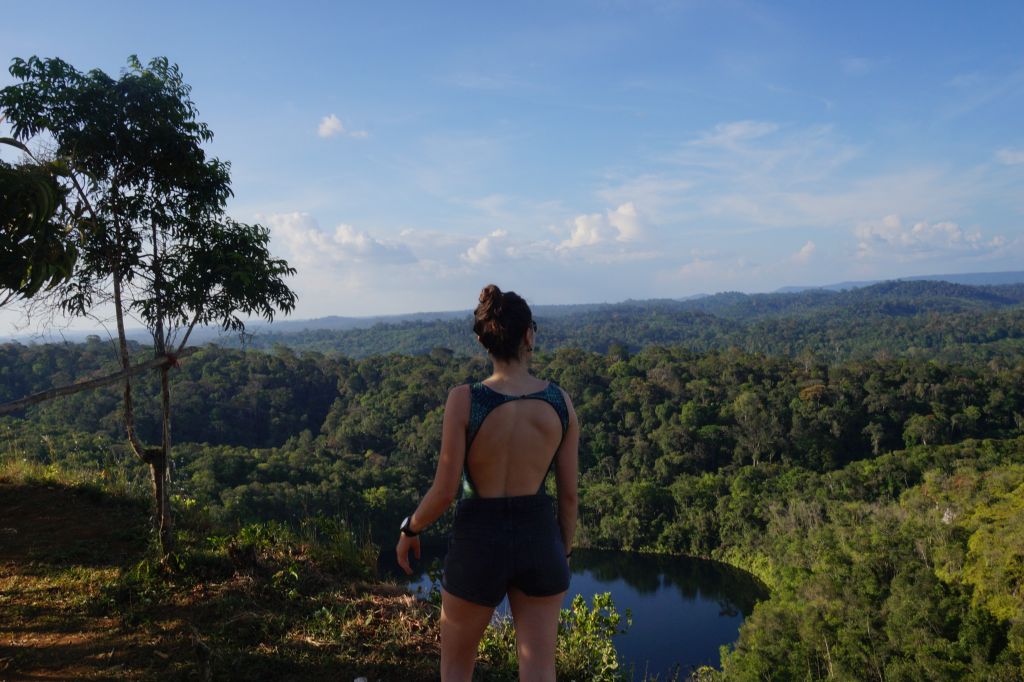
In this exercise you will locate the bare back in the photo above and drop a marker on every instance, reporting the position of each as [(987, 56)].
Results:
[(516, 439)]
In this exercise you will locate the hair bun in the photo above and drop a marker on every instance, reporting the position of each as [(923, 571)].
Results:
[(501, 320), (490, 305), (490, 295)]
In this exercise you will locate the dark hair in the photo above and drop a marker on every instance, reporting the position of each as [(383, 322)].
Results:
[(500, 321)]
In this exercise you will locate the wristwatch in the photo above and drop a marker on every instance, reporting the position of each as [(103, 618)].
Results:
[(406, 528)]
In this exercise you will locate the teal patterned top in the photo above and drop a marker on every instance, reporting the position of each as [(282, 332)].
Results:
[(483, 400)]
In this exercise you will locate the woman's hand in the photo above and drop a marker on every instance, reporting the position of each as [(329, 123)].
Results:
[(405, 544)]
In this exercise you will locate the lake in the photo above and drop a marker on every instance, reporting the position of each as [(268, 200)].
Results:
[(683, 608)]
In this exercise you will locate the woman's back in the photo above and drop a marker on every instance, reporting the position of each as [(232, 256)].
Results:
[(502, 437), (512, 437)]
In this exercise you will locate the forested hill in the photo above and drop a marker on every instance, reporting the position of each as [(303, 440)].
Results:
[(939, 319), (882, 500), (882, 497)]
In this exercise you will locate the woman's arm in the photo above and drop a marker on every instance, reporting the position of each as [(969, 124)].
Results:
[(566, 476), (447, 477)]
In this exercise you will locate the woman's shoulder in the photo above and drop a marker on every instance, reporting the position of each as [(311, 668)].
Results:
[(552, 386), (566, 399), (461, 390)]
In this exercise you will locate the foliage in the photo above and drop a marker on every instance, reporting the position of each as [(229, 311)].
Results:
[(916, 320), (36, 251), (585, 650), (154, 202), (878, 497), (585, 647), (157, 242)]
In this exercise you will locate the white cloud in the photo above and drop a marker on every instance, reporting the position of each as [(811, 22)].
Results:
[(796, 177), (627, 221), (622, 224), (587, 230), (890, 237), (309, 245), (803, 256), (1011, 157), (489, 249), (330, 126)]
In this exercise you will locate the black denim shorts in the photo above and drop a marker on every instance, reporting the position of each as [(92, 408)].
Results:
[(503, 542)]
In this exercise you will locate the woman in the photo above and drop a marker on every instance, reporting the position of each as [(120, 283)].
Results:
[(501, 436)]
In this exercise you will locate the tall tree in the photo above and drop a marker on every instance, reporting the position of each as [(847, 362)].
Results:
[(160, 246)]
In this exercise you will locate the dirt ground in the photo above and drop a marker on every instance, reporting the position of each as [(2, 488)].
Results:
[(59, 547)]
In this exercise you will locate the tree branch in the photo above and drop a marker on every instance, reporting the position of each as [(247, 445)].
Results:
[(188, 332), (154, 363)]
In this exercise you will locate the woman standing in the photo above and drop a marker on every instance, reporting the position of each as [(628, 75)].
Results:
[(501, 436)]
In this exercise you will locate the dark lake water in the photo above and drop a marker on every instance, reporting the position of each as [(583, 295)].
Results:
[(683, 609)]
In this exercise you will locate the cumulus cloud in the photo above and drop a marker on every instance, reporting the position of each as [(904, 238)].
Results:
[(626, 220), (331, 125), (489, 249), (622, 224), (803, 256), (309, 245), (1011, 157), (587, 230), (891, 237)]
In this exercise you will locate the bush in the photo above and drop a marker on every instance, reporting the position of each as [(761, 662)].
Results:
[(585, 648)]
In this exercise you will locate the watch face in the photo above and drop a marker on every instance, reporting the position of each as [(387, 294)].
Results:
[(405, 523)]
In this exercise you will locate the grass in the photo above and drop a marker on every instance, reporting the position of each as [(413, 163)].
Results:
[(84, 594)]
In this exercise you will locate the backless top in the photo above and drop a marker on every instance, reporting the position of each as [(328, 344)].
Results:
[(483, 399)]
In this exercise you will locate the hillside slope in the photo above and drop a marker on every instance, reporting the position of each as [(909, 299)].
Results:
[(81, 599)]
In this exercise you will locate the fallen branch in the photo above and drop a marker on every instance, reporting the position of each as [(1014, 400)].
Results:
[(50, 394)]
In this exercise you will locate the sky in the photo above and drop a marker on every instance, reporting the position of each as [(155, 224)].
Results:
[(405, 154)]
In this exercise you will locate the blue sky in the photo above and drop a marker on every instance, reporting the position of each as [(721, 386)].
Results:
[(405, 154)]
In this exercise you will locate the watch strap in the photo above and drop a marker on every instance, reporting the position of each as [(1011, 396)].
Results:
[(406, 528)]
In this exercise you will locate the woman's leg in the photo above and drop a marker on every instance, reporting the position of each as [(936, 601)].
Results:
[(536, 620), (462, 625)]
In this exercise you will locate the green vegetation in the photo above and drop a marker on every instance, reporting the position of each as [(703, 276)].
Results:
[(585, 647), (36, 252), (265, 601), (928, 320), (880, 496), (147, 232)]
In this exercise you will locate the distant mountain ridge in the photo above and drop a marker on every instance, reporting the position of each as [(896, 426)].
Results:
[(938, 293), (915, 317), (971, 278)]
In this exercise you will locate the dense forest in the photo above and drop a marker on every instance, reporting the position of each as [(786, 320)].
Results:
[(936, 320), (861, 452)]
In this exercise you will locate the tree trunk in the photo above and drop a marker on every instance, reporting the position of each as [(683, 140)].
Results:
[(161, 467), (155, 457), (122, 344)]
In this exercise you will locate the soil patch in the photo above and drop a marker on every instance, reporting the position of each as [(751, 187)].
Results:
[(59, 547)]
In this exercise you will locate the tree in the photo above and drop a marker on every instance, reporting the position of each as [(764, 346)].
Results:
[(159, 244), (36, 251), (757, 431)]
